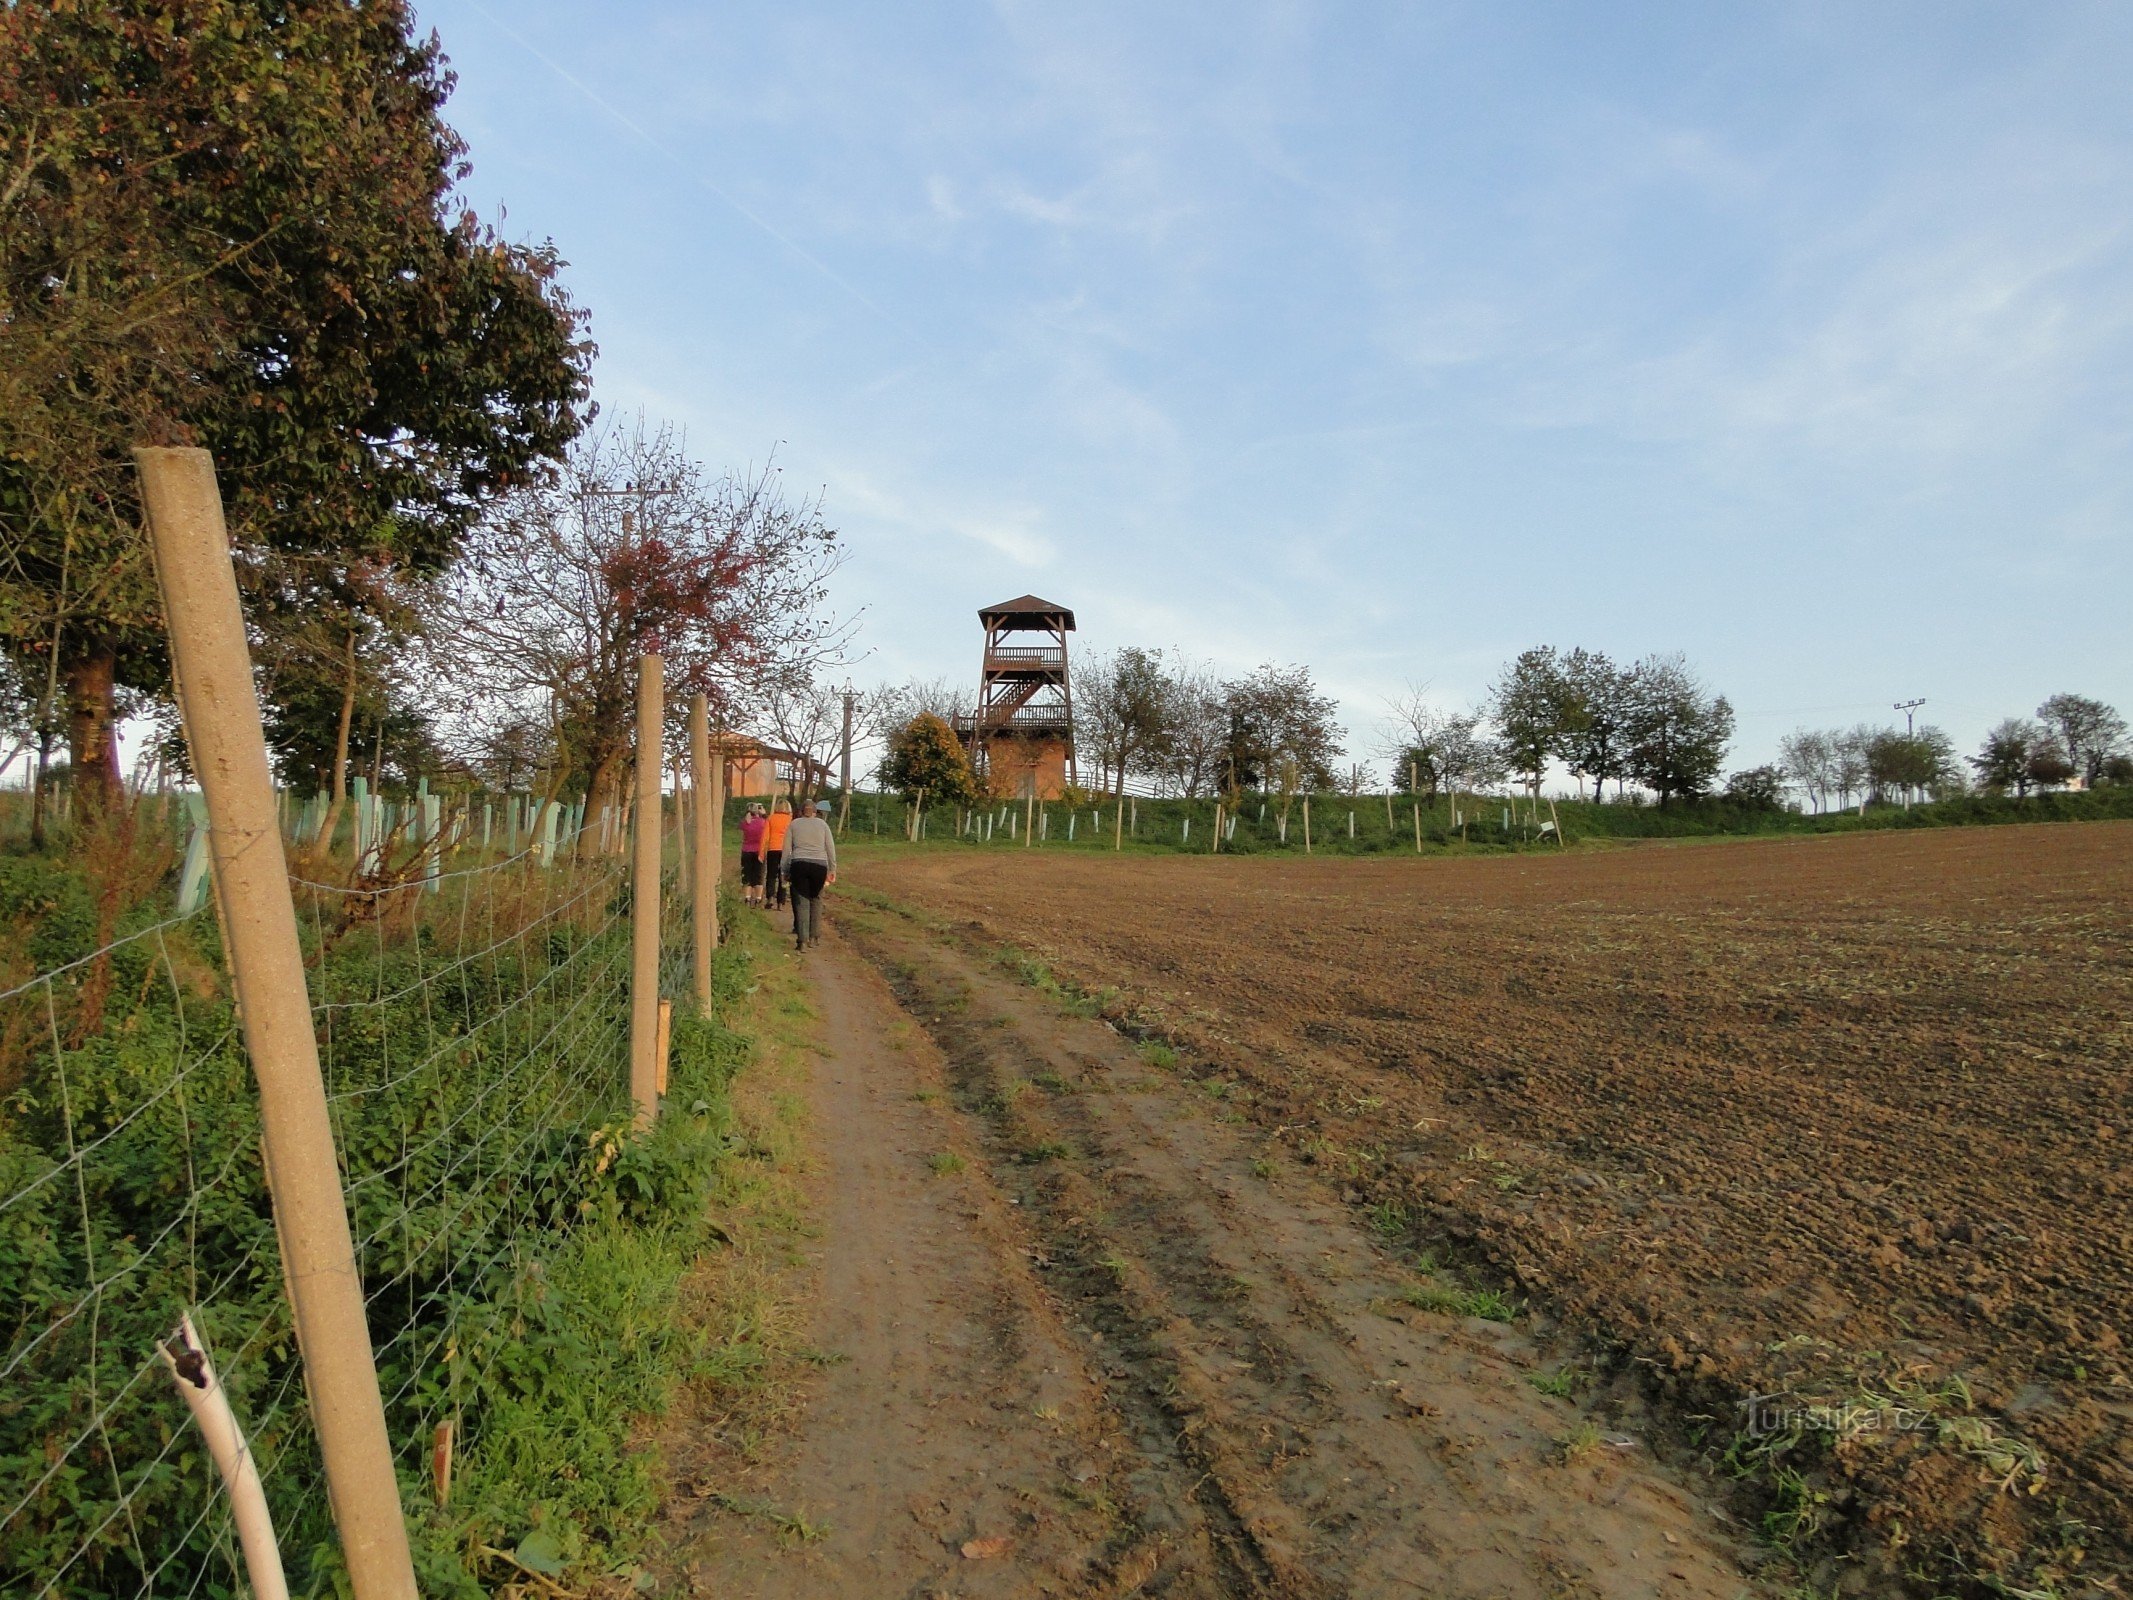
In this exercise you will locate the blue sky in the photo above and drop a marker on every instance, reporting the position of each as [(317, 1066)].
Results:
[(1386, 339)]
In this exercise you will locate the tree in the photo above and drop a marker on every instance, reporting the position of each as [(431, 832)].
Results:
[(1596, 716), (1948, 776), (2048, 768), (1757, 789), (1281, 731), (634, 549), (806, 716), (925, 758), (1808, 760), (334, 680), (1122, 711), (1529, 701), (1911, 764), (1435, 750), (1197, 738), (889, 707), (1678, 732), (233, 224), (2089, 731), (2002, 761), (1849, 761), (322, 714)]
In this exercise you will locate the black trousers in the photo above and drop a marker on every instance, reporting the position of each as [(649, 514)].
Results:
[(808, 881), (774, 876)]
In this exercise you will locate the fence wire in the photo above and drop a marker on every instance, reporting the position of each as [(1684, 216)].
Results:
[(472, 1015)]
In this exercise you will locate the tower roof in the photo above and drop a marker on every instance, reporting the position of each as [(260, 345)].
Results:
[(1026, 612)]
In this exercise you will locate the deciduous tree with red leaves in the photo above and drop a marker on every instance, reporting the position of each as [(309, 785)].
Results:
[(633, 549)]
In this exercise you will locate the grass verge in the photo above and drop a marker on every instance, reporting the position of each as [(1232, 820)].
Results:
[(654, 1302)]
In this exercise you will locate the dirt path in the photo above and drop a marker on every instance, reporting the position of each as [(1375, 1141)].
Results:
[(1124, 1349)]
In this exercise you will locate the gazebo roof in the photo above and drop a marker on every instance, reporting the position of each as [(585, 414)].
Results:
[(1026, 612)]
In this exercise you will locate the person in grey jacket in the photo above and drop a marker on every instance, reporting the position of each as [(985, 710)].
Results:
[(810, 866)]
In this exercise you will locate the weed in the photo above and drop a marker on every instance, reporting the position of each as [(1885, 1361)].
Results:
[(1438, 1297), (2010, 1461), (1797, 1515), (1491, 1305), (792, 1528), (925, 1096), (1561, 1383), (1388, 1219), (1049, 1150), (1158, 1054), (1578, 1444), (1088, 1497), (1053, 1082), (1263, 1168), (1116, 1265), (945, 1162)]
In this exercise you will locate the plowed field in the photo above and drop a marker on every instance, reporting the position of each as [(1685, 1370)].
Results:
[(1841, 1123)]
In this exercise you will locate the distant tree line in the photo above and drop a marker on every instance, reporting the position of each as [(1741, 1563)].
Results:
[(1154, 721), (2073, 741)]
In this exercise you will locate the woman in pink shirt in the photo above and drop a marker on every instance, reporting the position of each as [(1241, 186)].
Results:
[(752, 857)]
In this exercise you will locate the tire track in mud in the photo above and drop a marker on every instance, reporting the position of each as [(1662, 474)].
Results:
[(1327, 1441), (1179, 1487)]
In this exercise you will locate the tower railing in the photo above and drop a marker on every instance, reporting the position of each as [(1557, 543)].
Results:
[(1024, 656), (1045, 716)]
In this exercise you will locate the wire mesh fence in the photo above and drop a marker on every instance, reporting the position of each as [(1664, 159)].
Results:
[(472, 1012)]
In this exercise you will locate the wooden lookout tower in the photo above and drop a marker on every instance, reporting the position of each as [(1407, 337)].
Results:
[(1021, 737)]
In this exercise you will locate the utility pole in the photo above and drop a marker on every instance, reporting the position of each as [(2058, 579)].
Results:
[(1907, 707), (844, 770), (640, 492)]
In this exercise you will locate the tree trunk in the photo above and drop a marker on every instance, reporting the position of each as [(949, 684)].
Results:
[(602, 790), (37, 800), (324, 843), (92, 739)]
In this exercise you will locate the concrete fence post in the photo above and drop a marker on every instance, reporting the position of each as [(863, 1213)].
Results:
[(707, 782), (644, 895), (220, 712)]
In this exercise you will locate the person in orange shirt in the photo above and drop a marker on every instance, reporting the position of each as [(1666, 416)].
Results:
[(774, 830)]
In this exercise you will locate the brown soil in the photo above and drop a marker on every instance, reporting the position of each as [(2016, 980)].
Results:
[(1120, 1351), (1829, 1120)]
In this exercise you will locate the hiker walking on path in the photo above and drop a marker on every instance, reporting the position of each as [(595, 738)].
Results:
[(752, 856), (774, 827), (811, 853)]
